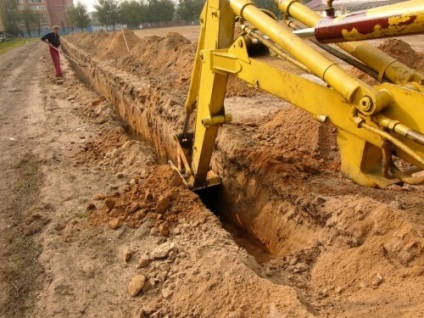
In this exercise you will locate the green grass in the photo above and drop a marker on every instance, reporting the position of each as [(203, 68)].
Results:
[(13, 44)]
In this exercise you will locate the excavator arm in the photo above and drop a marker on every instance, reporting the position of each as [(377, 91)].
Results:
[(374, 123)]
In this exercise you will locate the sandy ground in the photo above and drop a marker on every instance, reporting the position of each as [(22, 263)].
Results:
[(93, 226), (191, 32)]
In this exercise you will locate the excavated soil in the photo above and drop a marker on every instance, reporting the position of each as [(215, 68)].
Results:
[(322, 245), (401, 51)]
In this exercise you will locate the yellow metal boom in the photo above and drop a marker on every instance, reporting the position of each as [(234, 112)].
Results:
[(375, 122)]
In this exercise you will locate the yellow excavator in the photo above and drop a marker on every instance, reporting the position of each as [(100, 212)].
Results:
[(376, 124)]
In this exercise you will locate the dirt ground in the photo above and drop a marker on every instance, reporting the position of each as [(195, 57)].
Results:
[(94, 226), (190, 32)]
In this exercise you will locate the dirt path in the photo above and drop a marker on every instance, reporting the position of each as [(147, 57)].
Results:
[(44, 188), (22, 120)]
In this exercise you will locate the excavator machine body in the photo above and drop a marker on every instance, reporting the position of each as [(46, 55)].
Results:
[(375, 123)]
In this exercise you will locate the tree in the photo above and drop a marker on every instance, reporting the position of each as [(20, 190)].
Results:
[(107, 12), (268, 5), (29, 18), (144, 12), (166, 12), (131, 13), (157, 11), (38, 23), (82, 20), (70, 17), (152, 11), (189, 10), (10, 16)]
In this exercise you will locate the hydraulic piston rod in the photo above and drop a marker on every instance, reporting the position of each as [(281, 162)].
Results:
[(366, 99), (386, 66)]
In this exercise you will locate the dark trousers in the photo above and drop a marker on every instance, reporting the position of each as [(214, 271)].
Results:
[(56, 61)]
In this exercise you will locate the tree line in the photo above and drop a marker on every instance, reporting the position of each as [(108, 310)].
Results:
[(17, 19), (156, 12), (147, 12), (133, 13)]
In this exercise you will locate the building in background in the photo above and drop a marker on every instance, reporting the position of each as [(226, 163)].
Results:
[(39, 6), (50, 12), (56, 11)]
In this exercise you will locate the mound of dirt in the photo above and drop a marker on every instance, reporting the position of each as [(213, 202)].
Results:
[(113, 149), (120, 43), (166, 61), (161, 198), (399, 50), (292, 129), (184, 250), (88, 42), (105, 45)]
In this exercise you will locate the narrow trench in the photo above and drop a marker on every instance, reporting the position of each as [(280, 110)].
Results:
[(211, 198), (214, 199)]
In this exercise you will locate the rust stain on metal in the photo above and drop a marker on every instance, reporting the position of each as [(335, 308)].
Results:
[(330, 30)]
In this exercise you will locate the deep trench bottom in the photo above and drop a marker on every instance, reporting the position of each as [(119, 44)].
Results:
[(212, 198)]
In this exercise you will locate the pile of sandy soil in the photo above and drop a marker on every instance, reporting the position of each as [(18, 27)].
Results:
[(167, 61), (293, 130), (399, 50), (105, 44), (161, 197), (403, 52), (113, 149)]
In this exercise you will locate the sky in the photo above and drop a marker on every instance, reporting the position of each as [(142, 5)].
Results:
[(89, 3)]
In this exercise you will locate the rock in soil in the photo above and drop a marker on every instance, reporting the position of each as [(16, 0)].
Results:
[(164, 229), (110, 204), (162, 251), (127, 253), (144, 261), (163, 204), (136, 285), (115, 224)]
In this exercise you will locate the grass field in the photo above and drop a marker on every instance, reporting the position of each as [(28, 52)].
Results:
[(13, 44)]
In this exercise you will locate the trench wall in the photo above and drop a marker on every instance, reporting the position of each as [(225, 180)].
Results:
[(150, 114), (253, 196)]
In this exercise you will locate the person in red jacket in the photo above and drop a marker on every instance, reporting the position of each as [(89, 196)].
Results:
[(53, 40)]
